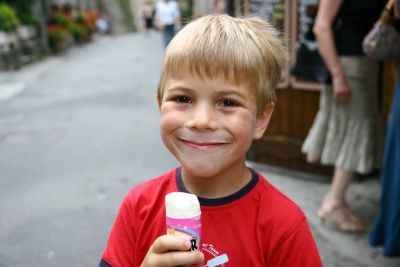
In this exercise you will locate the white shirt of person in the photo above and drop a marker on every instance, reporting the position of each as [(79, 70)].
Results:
[(167, 11)]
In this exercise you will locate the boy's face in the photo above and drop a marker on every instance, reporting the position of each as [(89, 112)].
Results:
[(209, 124)]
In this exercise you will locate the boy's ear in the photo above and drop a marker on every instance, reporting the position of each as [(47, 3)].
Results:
[(263, 121)]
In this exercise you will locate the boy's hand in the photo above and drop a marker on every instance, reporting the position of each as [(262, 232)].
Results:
[(169, 251)]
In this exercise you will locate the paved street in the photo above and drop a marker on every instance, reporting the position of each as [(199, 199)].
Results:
[(79, 129)]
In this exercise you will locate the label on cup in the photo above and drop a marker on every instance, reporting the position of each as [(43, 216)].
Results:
[(189, 228)]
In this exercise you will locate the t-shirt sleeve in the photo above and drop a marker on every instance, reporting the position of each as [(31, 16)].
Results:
[(119, 250), (297, 249)]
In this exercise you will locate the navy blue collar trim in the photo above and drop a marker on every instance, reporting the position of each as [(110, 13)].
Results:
[(103, 263), (223, 200)]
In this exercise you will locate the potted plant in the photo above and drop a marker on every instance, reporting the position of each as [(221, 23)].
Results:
[(58, 38), (59, 29), (79, 33), (84, 26)]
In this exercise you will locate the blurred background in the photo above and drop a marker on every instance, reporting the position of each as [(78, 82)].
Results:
[(79, 126)]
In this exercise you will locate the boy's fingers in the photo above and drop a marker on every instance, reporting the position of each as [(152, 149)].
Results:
[(180, 258), (167, 243), (173, 251)]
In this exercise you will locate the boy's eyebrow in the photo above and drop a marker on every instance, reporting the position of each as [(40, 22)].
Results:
[(217, 92), (231, 92), (178, 88)]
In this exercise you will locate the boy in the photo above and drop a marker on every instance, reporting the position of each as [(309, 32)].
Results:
[(216, 94)]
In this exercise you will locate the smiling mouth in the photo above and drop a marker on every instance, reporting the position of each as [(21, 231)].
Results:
[(203, 144)]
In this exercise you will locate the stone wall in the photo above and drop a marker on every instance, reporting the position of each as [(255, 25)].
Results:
[(121, 19)]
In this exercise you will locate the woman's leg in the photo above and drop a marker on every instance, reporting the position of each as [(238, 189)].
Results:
[(336, 195), (334, 208)]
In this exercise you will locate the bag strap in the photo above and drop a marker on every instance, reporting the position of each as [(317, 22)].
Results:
[(385, 16)]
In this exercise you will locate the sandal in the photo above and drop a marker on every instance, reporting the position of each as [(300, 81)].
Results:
[(342, 219)]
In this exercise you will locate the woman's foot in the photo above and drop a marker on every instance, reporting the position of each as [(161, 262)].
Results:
[(342, 219)]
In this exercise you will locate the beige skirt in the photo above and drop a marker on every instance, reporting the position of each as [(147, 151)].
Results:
[(349, 136)]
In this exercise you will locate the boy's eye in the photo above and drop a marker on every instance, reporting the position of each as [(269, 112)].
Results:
[(229, 103), (182, 99)]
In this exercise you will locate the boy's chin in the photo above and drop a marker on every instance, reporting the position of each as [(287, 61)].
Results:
[(200, 172), (207, 170)]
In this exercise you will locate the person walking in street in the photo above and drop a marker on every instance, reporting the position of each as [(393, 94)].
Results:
[(168, 19), (216, 94), (147, 15), (345, 132), (386, 229)]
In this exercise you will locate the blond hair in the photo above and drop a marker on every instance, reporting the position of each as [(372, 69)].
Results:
[(248, 48)]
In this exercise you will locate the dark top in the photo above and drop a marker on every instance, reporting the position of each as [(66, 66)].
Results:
[(355, 18)]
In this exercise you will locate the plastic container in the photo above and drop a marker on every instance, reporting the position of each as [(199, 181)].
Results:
[(183, 217)]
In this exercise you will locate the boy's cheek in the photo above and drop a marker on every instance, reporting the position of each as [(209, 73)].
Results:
[(170, 119), (167, 106)]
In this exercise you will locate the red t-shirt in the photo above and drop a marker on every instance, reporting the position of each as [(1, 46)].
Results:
[(256, 226)]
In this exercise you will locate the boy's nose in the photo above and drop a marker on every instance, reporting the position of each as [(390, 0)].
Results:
[(202, 117)]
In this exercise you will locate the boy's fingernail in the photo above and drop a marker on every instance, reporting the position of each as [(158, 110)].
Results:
[(201, 256), (188, 244)]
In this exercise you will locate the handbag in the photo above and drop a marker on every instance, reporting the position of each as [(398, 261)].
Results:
[(309, 64), (383, 40)]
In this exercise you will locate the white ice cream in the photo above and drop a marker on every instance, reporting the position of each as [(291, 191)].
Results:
[(181, 205)]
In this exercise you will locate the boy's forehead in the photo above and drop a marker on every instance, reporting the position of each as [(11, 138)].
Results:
[(203, 74), (220, 77)]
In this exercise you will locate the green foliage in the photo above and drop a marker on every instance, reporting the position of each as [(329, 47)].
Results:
[(84, 25), (58, 30), (8, 18), (57, 37), (79, 32), (21, 5), (28, 19), (61, 20), (80, 18), (23, 10)]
